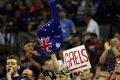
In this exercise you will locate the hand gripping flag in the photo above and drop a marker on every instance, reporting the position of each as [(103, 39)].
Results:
[(49, 35)]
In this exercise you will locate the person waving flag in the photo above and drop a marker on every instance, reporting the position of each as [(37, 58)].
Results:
[(49, 35)]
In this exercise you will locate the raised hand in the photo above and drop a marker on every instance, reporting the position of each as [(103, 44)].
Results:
[(10, 71), (114, 42), (107, 46)]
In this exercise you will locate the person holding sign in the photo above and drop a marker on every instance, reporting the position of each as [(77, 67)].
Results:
[(62, 74), (77, 60)]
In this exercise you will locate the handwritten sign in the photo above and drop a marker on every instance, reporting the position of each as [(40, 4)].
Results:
[(76, 59)]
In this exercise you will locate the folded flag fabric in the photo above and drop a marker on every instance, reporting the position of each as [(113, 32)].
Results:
[(49, 35)]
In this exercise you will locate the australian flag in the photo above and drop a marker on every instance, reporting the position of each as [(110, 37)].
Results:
[(49, 35)]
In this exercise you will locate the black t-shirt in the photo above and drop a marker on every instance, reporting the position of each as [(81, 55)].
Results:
[(109, 64)]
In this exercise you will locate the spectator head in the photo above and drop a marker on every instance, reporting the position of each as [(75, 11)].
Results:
[(29, 74), (93, 35), (100, 73), (104, 75), (76, 40), (87, 74), (117, 35), (62, 13), (98, 70), (48, 65), (46, 14), (87, 17), (13, 62), (29, 47), (63, 75), (47, 75), (115, 42)]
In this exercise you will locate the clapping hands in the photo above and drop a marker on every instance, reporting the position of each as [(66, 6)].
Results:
[(107, 46)]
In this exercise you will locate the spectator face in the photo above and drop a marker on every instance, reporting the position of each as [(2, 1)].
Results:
[(48, 65), (86, 74), (29, 47), (76, 41), (28, 73), (61, 77), (62, 14), (118, 43), (12, 63), (86, 19), (117, 35), (117, 67), (103, 75)]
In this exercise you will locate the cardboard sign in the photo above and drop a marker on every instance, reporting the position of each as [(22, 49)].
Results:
[(76, 59)]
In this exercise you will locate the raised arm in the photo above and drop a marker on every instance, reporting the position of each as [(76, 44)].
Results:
[(105, 52), (55, 63)]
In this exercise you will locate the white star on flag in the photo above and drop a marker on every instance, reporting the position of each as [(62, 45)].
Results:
[(58, 26), (52, 31), (44, 29), (48, 24), (57, 45)]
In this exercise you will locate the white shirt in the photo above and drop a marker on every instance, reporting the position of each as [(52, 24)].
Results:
[(93, 28)]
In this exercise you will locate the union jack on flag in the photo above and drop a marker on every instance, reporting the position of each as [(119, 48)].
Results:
[(44, 43), (49, 35)]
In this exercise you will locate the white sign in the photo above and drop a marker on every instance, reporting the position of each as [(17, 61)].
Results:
[(76, 59)]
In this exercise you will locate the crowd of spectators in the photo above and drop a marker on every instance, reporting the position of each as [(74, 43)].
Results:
[(23, 17), (19, 20)]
